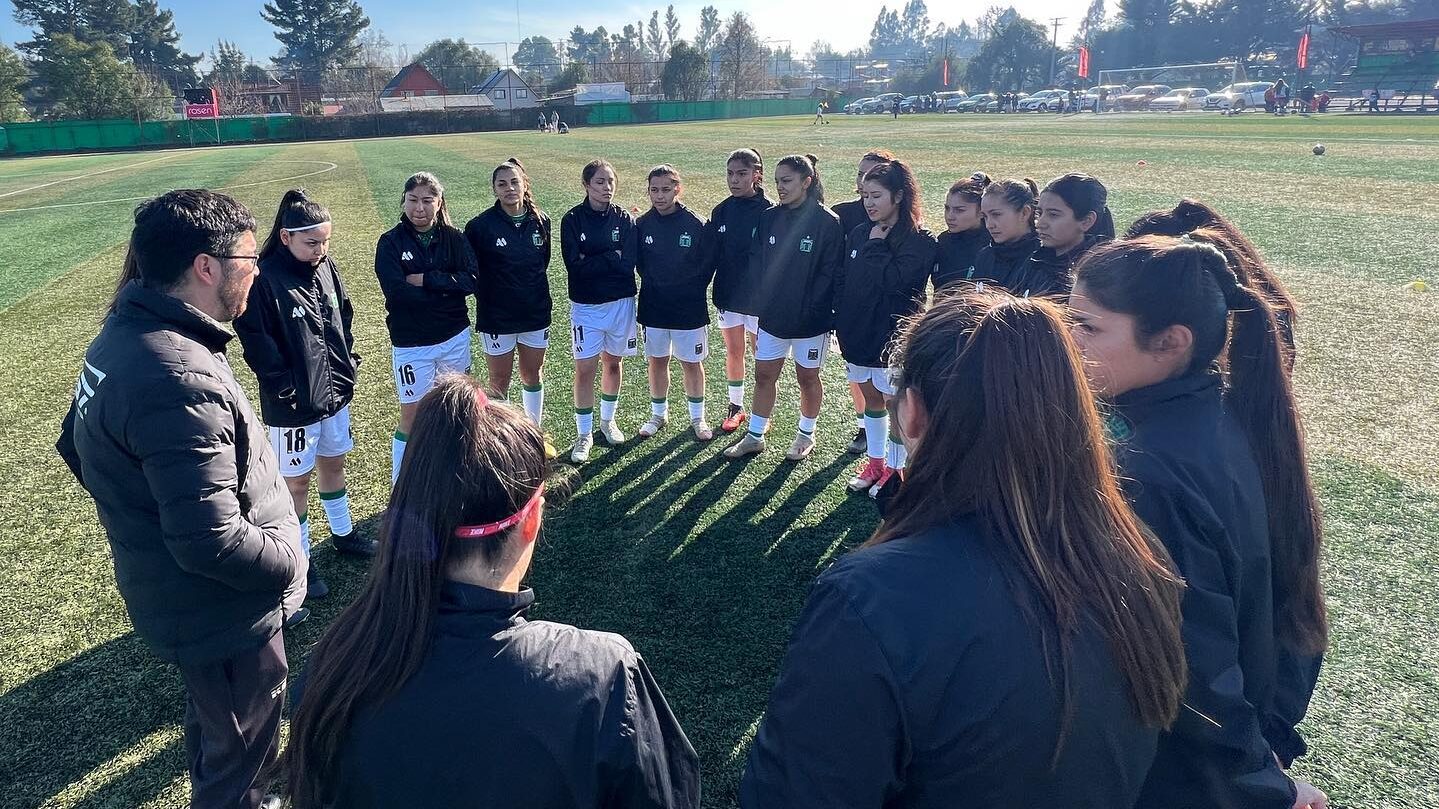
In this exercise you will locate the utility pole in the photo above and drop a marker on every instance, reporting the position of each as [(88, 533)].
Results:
[(1054, 47)]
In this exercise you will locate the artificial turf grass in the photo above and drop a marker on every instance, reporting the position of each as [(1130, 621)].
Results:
[(702, 562)]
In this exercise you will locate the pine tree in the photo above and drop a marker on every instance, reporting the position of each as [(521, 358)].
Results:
[(655, 38), (85, 21), (316, 34), (155, 46), (709, 30), (672, 26)]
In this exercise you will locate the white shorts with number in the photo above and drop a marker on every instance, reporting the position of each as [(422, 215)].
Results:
[(498, 345), (728, 320), (685, 345), (808, 352), (417, 366), (608, 327), (297, 447), (881, 378)]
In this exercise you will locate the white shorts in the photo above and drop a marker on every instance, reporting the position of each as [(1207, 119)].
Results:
[(808, 352), (608, 327), (686, 345), (297, 447), (416, 367), (881, 378), (728, 320), (498, 345)]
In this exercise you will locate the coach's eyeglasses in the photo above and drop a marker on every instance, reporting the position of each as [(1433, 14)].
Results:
[(217, 255)]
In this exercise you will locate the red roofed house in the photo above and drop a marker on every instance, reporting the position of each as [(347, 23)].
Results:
[(413, 80)]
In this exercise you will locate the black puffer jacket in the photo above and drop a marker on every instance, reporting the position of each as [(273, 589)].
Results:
[(202, 530), (882, 282), (297, 339), (1003, 264), (731, 231)]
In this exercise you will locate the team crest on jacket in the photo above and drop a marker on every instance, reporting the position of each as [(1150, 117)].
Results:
[(684, 240), (615, 235), (334, 301), (537, 239), (500, 242), (806, 245)]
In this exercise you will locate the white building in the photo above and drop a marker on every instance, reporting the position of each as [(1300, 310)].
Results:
[(507, 91)]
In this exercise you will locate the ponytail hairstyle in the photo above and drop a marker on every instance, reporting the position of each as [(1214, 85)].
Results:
[(1190, 215), (470, 461), (752, 160), (1085, 195), (665, 170), (972, 187), (1017, 194), (425, 178), (807, 165), (878, 156), (527, 200), (991, 371), (296, 211), (1163, 282), (896, 178), (588, 172)]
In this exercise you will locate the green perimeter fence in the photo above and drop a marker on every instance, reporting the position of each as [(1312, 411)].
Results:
[(49, 137)]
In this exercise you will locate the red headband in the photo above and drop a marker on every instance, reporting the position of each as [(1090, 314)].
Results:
[(492, 528)]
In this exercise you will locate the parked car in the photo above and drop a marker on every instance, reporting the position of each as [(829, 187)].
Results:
[(1185, 98), (1043, 101), (975, 102), (909, 104), (1139, 97), (998, 104), (949, 99), (1091, 96), (1237, 96), (855, 107), (880, 103)]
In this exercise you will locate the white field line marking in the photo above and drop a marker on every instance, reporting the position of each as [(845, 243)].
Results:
[(327, 164), (84, 176)]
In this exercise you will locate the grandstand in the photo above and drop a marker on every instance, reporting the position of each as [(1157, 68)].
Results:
[(1398, 59)]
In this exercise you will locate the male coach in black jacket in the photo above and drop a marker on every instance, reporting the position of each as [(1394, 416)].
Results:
[(202, 530)]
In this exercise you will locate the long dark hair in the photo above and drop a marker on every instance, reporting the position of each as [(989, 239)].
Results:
[(1085, 195), (1191, 215), (971, 188), (1163, 282), (527, 201), (806, 165), (1014, 437), (750, 158), (296, 211), (425, 178), (896, 178), (468, 462)]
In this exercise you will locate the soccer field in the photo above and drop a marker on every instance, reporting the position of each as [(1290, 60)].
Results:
[(703, 563)]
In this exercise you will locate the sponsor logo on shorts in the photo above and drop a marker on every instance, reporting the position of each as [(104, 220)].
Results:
[(699, 349), (685, 240), (814, 353), (806, 245), (501, 242), (632, 342), (409, 392)]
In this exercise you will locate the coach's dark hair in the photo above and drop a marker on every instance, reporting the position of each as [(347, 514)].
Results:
[(971, 187), (1085, 195), (1013, 436), (425, 178), (1190, 215), (527, 200), (1017, 194), (296, 211), (588, 172), (750, 158), (1163, 282), (896, 178), (172, 229), (807, 165), (469, 462)]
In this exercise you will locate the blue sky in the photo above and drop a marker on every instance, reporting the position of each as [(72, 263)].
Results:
[(416, 22)]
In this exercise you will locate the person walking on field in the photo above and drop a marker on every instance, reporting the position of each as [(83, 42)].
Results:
[(202, 530), (819, 114)]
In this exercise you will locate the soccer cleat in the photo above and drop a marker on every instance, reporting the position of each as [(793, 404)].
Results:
[(353, 544), (889, 472), (649, 428), (580, 450), (735, 418), (703, 431), (868, 475), (550, 452), (315, 586), (297, 617), (611, 433), (747, 445), (801, 448), (858, 444)]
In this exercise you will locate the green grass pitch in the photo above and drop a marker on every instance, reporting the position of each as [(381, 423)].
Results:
[(703, 563)]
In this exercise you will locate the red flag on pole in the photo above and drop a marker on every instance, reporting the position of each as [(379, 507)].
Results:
[(1083, 62), (1304, 49)]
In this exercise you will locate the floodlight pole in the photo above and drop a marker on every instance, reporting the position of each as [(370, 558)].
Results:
[(1054, 47)]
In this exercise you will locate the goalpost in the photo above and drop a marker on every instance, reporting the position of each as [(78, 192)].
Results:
[(1211, 75)]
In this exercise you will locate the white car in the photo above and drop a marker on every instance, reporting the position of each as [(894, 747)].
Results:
[(854, 107), (1043, 101), (1091, 98), (1237, 96), (1184, 98)]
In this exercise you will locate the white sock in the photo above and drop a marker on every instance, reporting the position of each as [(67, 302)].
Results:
[(736, 393), (397, 454), (876, 427), (660, 408), (806, 425), (585, 421), (534, 402), (757, 425), (859, 421), (337, 512), (697, 409), (305, 534), (607, 407), (898, 454)]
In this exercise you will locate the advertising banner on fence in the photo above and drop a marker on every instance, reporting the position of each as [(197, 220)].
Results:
[(201, 102)]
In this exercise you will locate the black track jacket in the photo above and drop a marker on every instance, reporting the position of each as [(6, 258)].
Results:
[(798, 253), (675, 269), (599, 252), (430, 314), (731, 229), (513, 279), (883, 281)]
